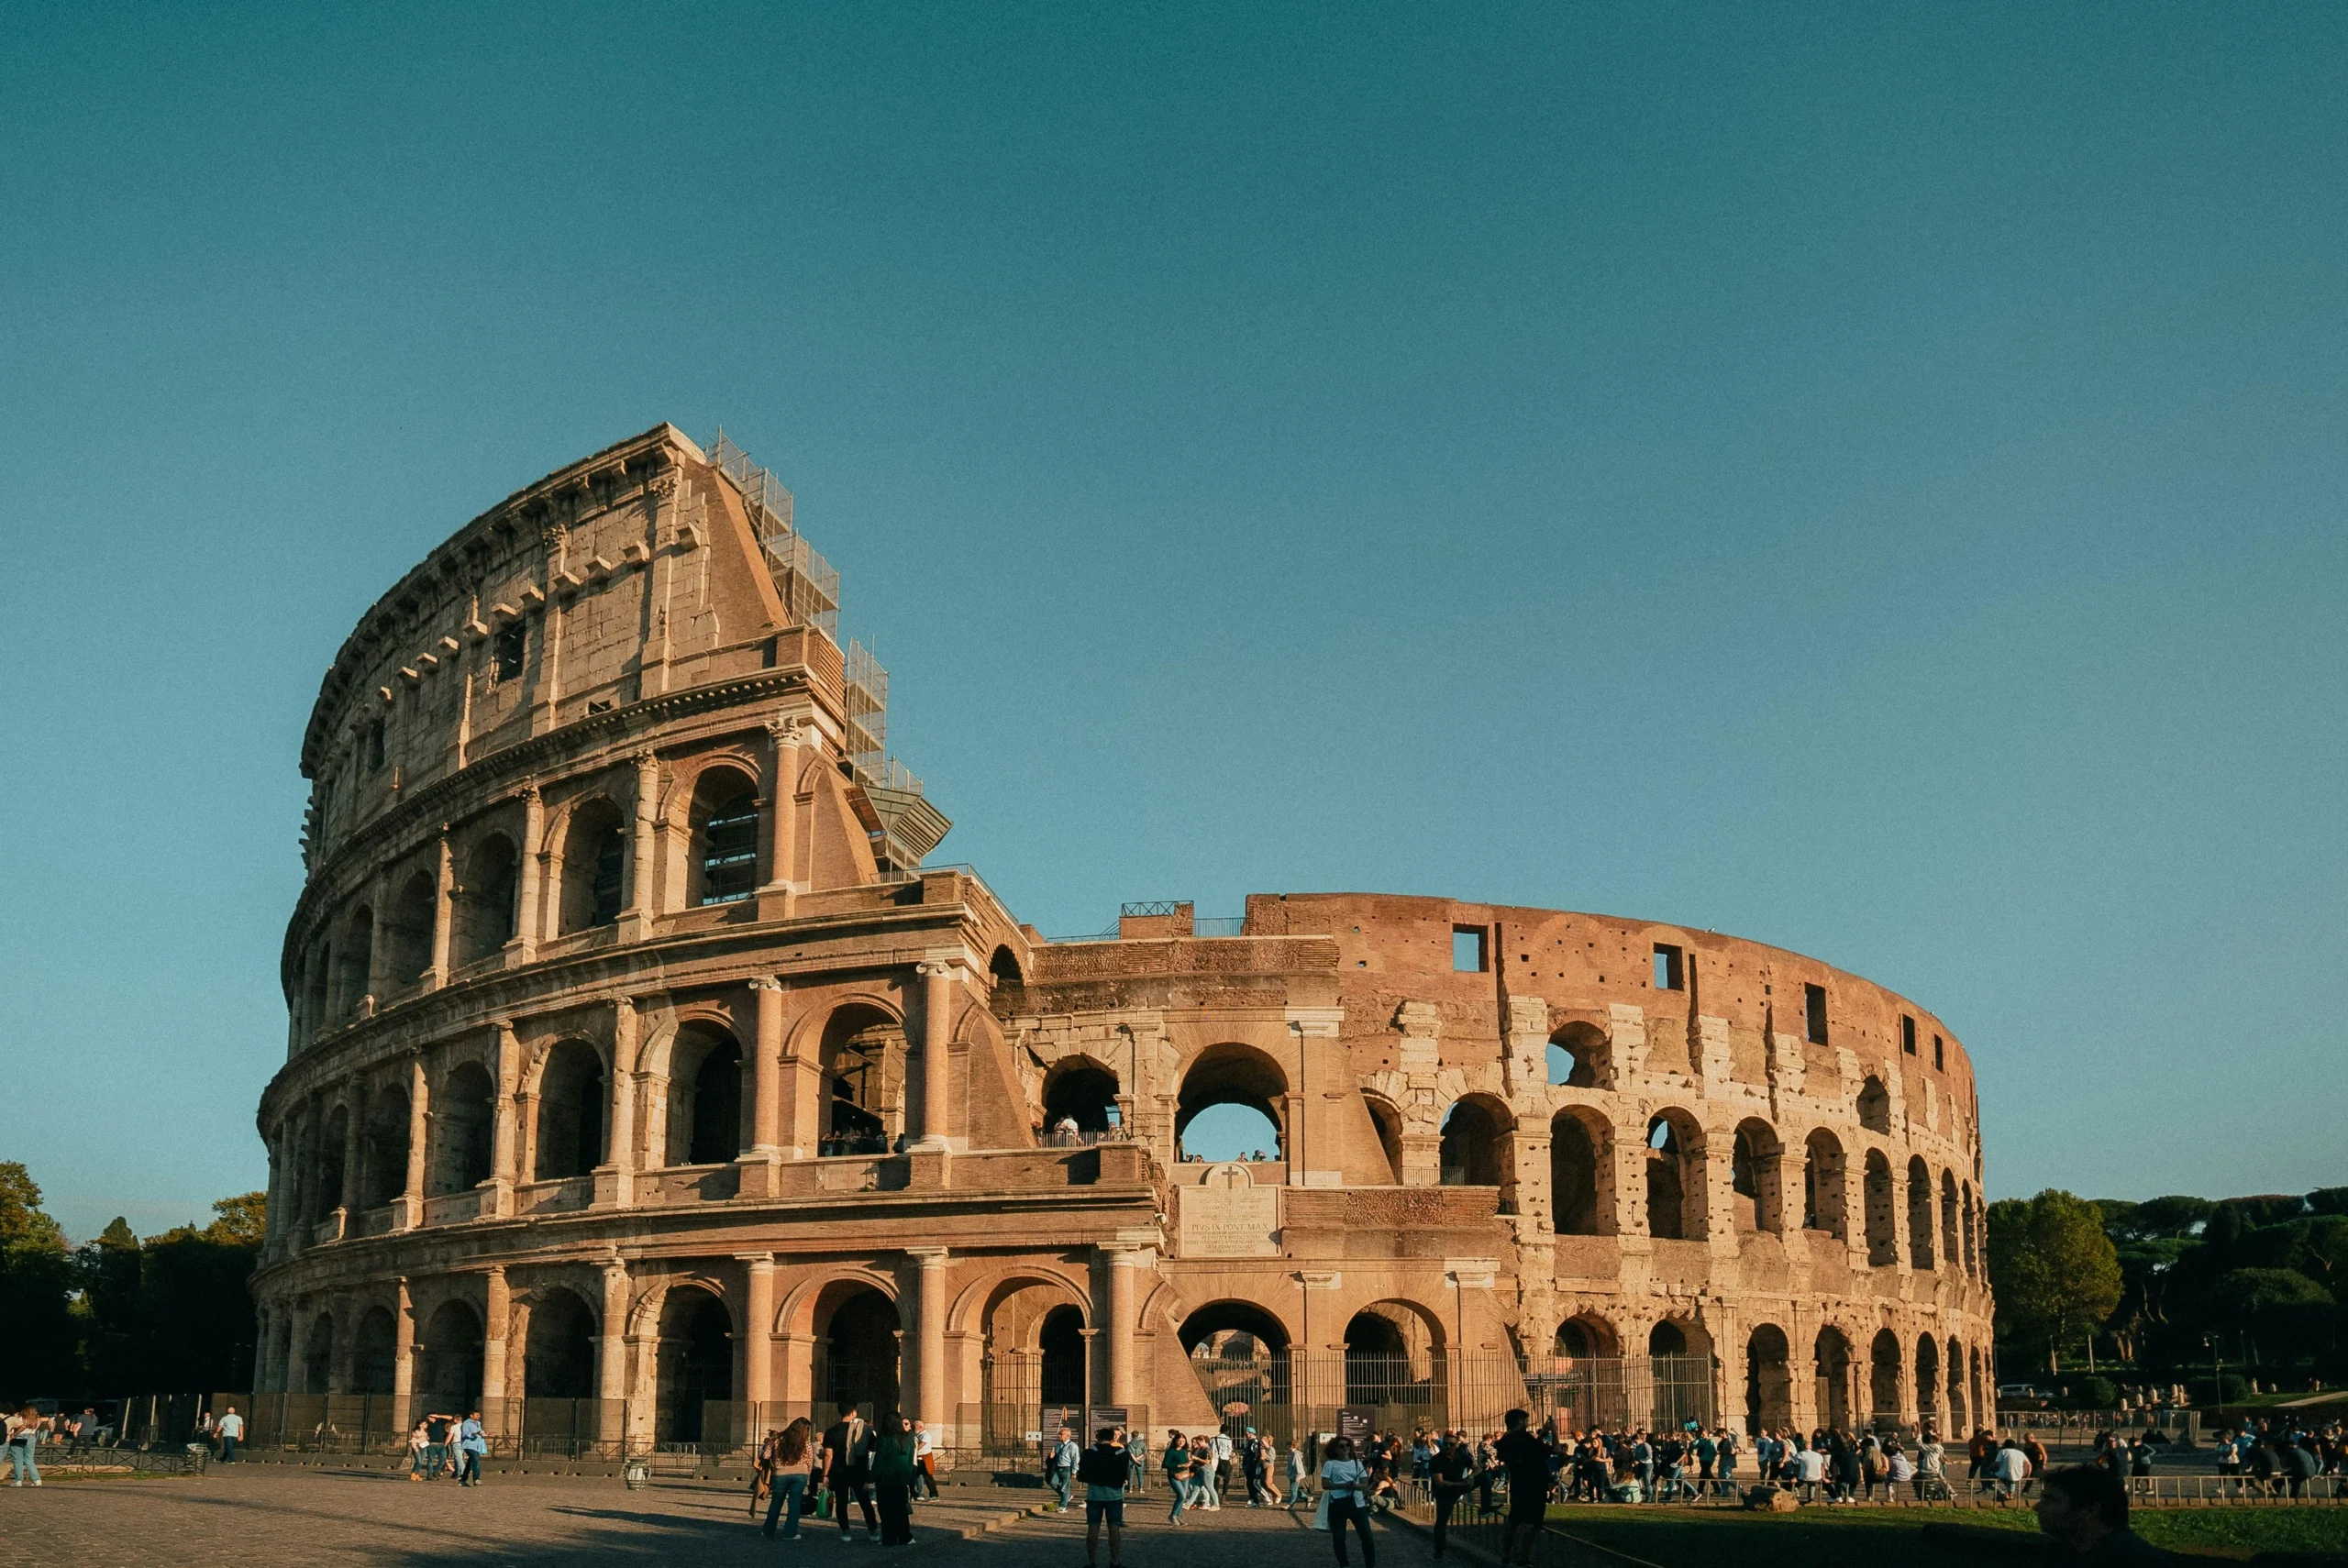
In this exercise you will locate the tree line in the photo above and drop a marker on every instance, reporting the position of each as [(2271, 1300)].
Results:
[(2172, 1286), (121, 1315)]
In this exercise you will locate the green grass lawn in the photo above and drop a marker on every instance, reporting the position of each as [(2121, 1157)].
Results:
[(1864, 1538)]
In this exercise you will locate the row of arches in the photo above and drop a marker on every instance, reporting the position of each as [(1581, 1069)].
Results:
[(588, 869)]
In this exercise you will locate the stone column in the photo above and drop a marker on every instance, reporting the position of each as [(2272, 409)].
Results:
[(616, 1178), (637, 917), (777, 788), (444, 910), (403, 1358), (273, 1224), (759, 1162), (611, 1373), (419, 1137), (353, 1148), (757, 1336), (1122, 1259), (532, 871), (379, 946), (501, 1141), (496, 1321), (297, 1349), (937, 975), (929, 1323)]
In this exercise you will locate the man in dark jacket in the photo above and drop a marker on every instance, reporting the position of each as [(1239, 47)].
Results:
[(848, 1468)]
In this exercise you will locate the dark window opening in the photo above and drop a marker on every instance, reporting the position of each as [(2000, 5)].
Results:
[(375, 747), (1814, 999), (506, 661), (1940, 1055), (1467, 949), (1907, 1034), (729, 862), (1668, 973), (611, 858)]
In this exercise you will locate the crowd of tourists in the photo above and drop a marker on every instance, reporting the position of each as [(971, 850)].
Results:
[(873, 1471)]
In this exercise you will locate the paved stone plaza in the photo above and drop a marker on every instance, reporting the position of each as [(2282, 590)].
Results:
[(265, 1514)]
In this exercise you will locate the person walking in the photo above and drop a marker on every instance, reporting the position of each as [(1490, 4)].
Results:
[(24, 1438), (1105, 1468), (787, 1483), (232, 1432), (892, 1477), (1344, 1484), (472, 1444), (848, 1468), (415, 1453), (1295, 1471), (1218, 1469), (1251, 1466), (924, 1463), (1177, 1465), (1060, 1470), (1526, 1458), (1451, 1474)]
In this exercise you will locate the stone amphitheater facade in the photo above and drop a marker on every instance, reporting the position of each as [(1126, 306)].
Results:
[(638, 1065)]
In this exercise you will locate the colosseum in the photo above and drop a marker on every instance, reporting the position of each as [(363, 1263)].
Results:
[(647, 1083)]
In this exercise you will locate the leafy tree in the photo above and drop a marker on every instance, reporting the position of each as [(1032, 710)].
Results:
[(40, 1331), (2055, 1271)]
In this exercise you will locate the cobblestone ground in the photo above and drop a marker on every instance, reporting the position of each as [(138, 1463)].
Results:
[(263, 1514)]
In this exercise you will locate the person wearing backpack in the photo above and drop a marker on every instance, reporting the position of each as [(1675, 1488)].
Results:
[(1104, 1469)]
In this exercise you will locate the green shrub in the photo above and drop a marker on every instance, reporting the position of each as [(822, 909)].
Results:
[(2093, 1394), (2235, 1390)]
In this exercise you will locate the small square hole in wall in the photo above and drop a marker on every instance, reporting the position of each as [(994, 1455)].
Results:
[(1467, 949), (1669, 972)]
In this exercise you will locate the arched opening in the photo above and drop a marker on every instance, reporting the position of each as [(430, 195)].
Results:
[(1004, 967), (1753, 1177), (318, 1356), (1875, 1106), (447, 1361), (859, 1338), (1833, 1397), (1959, 1415), (1579, 1161), (1928, 1382), (407, 927), (1679, 1367), (1579, 1058), (570, 1140), (1388, 1122), (1883, 1379), (1587, 1336), (1060, 1349), (725, 838), (384, 1147), (1474, 1152), (559, 1353), (356, 954), (486, 900), (695, 1368), (1392, 1360), (864, 1080), (1079, 1099), (326, 1193), (1879, 1199), (1769, 1381), (463, 1123), (1952, 1246), (704, 1097), (594, 867), (1248, 1081), (1675, 1173), (314, 973), (374, 1353), (1822, 1204), (1920, 1215), (1240, 1353)]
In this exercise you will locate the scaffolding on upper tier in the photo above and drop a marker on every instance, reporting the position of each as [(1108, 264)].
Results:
[(810, 588)]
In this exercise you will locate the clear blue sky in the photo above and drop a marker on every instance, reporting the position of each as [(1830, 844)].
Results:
[(1865, 479)]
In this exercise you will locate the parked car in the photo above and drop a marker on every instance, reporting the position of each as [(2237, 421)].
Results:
[(2022, 1396)]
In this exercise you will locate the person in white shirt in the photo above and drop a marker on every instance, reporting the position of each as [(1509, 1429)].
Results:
[(924, 1463), (2008, 1468), (231, 1429), (1345, 1482), (1810, 1464), (1218, 1474)]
